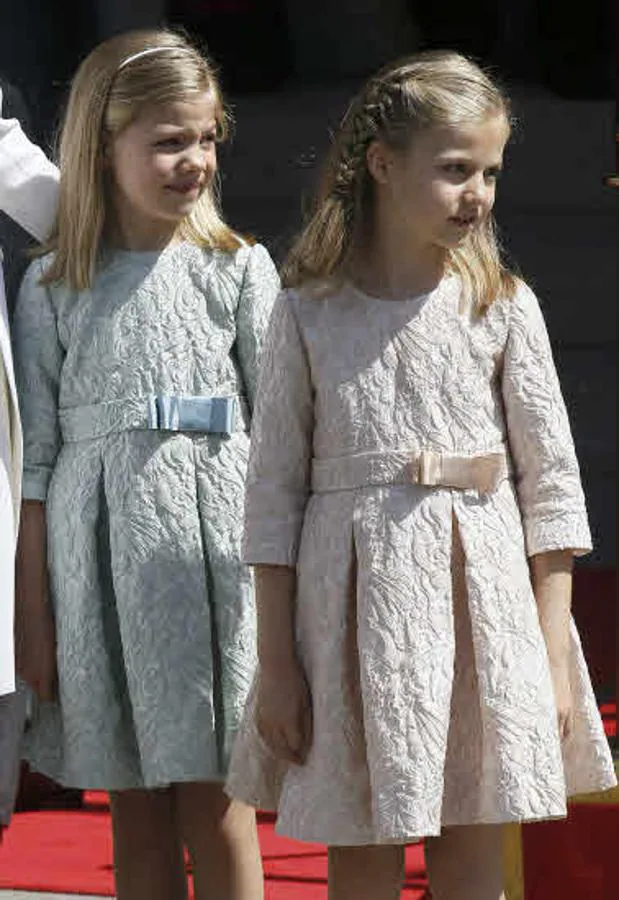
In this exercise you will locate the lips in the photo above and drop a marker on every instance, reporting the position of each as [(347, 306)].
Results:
[(188, 187), (464, 221)]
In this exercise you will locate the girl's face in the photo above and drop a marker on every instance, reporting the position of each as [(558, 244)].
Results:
[(443, 186), (161, 164)]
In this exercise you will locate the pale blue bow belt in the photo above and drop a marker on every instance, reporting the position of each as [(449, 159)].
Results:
[(158, 412)]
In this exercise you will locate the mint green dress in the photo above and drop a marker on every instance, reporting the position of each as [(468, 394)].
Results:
[(154, 610)]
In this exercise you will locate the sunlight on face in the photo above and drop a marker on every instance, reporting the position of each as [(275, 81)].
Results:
[(161, 164), (444, 185)]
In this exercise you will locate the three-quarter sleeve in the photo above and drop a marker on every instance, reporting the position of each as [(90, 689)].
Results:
[(278, 479), (259, 290), (547, 475), (38, 361)]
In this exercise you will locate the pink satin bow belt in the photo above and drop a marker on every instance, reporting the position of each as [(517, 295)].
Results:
[(481, 472)]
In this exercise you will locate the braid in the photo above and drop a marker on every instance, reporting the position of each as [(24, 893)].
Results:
[(358, 130), (406, 97), (345, 191), (371, 115)]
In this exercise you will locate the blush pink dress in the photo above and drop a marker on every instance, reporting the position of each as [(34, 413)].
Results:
[(416, 621)]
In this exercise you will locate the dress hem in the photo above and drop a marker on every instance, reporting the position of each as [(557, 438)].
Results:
[(96, 784)]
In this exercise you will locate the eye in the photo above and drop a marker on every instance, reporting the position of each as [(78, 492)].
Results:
[(454, 168), (169, 143), (209, 138), (493, 174)]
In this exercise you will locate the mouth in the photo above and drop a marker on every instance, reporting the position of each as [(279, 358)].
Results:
[(186, 188), (464, 221)]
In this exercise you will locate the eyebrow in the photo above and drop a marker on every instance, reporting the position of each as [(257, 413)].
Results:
[(459, 156), (172, 128)]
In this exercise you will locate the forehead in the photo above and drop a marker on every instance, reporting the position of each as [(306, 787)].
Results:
[(486, 137), (198, 112)]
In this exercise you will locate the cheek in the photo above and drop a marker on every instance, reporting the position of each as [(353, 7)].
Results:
[(136, 169), (407, 196), (490, 197), (210, 162), (128, 175), (441, 196), (159, 165)]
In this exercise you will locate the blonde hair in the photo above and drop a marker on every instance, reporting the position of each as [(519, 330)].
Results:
[(112, 85), (423, 91)]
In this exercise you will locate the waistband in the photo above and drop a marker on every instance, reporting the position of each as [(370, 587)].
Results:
[(482, 472), (155, 412)]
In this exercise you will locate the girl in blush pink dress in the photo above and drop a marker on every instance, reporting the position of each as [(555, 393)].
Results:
[(413, 508)]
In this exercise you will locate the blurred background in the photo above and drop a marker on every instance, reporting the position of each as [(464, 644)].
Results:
[(288, 68)]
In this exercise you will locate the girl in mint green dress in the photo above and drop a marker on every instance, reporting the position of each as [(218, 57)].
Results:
[(137, 342)]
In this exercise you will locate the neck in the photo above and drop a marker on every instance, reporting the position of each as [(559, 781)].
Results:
[(130, 232), (394, 266)]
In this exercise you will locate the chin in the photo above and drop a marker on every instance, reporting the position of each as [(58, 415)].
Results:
[(455, 241), (186, 206), (450, 243), (181, 211)]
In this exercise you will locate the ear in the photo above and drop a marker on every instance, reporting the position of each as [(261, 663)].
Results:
[(379, 160)]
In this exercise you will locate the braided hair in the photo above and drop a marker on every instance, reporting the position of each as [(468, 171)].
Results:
[(425, 90)]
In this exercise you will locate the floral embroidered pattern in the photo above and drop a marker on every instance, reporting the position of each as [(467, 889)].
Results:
[(154, 609), (418, 598)]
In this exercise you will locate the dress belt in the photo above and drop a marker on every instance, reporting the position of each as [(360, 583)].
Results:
[(480, 472), (155, 412)]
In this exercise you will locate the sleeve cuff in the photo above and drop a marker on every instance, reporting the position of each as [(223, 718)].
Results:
[(35, 484), (272, 544), (565, 531)]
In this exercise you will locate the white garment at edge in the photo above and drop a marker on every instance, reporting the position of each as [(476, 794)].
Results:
[(28, 194)]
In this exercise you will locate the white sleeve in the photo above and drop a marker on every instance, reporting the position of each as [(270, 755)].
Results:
[(28, 180), (550, 493), (278, 480)]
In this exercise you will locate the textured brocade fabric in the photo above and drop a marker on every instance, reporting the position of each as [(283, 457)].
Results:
[(154, 609), (416, 621)]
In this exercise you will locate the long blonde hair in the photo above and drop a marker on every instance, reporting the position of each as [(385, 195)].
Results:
[(112, 85), (423, 91)]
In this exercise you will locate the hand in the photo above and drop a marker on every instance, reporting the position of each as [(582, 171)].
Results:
[(563, 699), (284, 712), (35, 650)]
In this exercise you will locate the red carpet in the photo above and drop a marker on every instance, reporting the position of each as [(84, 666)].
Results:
[(609, 718), (573, 859), (69, 852)]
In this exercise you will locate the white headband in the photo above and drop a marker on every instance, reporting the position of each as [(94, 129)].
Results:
[(148, 52)]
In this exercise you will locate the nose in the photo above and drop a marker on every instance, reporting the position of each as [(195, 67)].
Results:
[(476, 189), (194, 157)]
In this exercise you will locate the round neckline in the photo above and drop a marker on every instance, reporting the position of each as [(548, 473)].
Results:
[(409, 298), (122, 258), (142, 254)]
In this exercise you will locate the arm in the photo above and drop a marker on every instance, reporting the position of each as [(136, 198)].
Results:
[(277, 490), (35, 643), (278, 479), (38, 362), (547, 481), (283, 709), (258, 293), (551, 575), (275, 596), (39, 357), (28, 180), (547, 476)]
